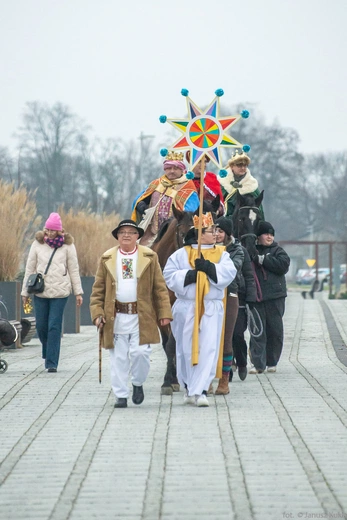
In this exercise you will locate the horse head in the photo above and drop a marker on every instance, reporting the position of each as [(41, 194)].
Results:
[(210, 206), (171, 234), (246, 218)]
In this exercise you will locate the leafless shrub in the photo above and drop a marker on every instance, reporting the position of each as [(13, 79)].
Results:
[(18, 221), (92, 235)]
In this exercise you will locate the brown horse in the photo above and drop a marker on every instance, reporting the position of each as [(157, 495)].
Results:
[(170, 238)]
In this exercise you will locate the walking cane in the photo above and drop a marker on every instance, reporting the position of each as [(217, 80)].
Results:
[(100, 354)]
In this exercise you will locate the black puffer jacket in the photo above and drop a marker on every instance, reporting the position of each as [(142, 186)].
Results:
[(245, 281), (243, 284), (236, 253), (271, 273)]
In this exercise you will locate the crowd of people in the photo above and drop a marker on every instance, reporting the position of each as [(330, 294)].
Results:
[(215, 281)]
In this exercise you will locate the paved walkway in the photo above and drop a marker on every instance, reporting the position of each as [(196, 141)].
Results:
[(274, 448)]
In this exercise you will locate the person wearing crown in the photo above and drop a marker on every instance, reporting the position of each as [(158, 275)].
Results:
[(154, 205), (238, 179), (199, 285), (212, 187)]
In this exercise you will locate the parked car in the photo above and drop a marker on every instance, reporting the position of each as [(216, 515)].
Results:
[(306, 276), (300, 275)]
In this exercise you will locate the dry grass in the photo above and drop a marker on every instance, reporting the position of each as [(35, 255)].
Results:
[(18, 222), (92, 236)]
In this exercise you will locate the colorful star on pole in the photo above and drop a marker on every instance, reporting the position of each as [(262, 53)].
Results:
[(204, 133)]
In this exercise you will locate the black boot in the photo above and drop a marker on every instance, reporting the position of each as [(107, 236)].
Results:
[(121, 402), (243, 373), (138, 395)]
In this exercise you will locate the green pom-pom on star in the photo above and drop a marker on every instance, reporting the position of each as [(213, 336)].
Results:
[(162, 119), (184, 92), (190, 175), (245, 114), (223, 173), (219, 92), (164, 152), (246, 148)]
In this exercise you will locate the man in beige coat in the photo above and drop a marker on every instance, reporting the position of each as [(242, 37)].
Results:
[(129, 300)]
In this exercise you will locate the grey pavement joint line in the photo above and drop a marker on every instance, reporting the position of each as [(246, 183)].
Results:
[(318, 483), (238, 491), (65, 503), (29, 436), (337, 342), (339, 411), (10, 394), (339, 324), (328, 344), (153, 502)]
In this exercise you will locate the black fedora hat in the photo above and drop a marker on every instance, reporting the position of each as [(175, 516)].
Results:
[(127, 222)]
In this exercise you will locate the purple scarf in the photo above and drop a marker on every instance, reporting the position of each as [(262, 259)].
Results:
[(56, 242)]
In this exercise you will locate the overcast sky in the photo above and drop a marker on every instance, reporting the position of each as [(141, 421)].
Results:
[(121, 64)]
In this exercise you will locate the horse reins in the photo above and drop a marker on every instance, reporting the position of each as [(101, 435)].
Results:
[(179, 245)]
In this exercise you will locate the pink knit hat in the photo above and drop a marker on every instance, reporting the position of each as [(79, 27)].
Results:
[(54, 222)]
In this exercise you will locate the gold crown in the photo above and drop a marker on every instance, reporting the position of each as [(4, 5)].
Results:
[(174, 156), (207, 220)]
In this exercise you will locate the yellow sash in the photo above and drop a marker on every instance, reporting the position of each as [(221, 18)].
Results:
[(202, 288)]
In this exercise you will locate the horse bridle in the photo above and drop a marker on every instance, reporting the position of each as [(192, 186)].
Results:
[(178, 225), (253, 208)]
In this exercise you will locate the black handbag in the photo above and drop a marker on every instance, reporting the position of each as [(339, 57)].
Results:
[(36, 282)]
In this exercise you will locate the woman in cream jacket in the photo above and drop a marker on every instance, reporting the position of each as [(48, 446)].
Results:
[(61, 279)]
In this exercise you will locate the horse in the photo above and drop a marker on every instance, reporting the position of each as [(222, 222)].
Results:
[(246, 218), (170, 238)]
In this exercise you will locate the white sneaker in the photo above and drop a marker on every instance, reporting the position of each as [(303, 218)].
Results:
[(271, 369), (201, 400), (255, 371), (188, 399)]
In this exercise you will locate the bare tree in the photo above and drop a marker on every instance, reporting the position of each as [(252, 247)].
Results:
[(7, 166), (48, 140)]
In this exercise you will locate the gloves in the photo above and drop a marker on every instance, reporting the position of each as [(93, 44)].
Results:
[(254, 258), (258, 259), (206, 267), (190, 277), (250, 305), (141, 207)]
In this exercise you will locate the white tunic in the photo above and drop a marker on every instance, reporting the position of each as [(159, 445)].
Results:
[(197, 378), (126, 292)]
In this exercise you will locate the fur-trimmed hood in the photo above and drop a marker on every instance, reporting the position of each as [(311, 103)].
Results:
[(249, 183), (68, 239)]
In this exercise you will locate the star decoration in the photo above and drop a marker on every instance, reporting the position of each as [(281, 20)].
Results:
[(204, 132)]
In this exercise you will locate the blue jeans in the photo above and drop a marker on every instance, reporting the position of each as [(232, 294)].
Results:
[(49, 320)]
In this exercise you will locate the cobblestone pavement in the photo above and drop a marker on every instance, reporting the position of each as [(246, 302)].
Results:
[(274, 448)]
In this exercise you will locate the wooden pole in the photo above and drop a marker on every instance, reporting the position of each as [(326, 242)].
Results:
[(202, 175), (100, 354)]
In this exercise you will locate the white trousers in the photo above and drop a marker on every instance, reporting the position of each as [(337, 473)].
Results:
[(128, 356), (197, 377)]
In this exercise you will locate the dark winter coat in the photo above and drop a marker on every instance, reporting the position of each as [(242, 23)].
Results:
[(236, 253), (271, 272), (245, 281)]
